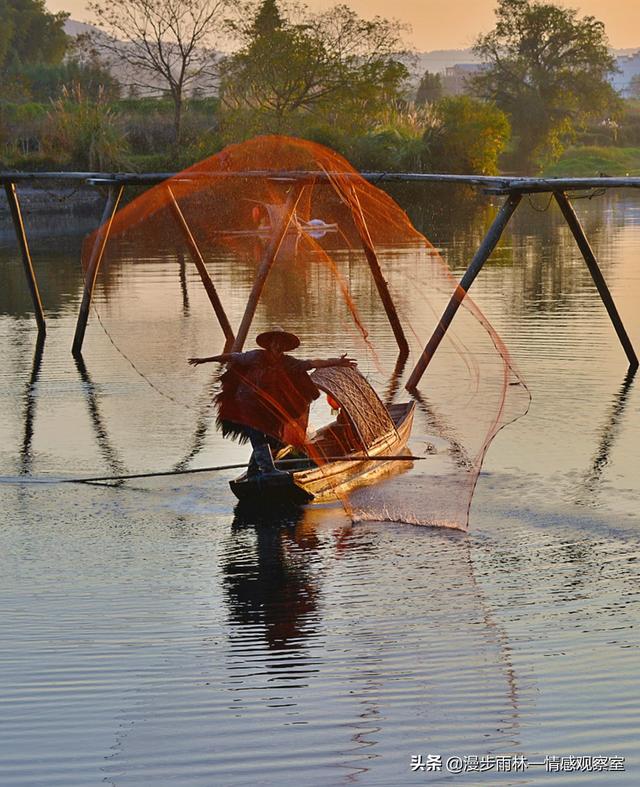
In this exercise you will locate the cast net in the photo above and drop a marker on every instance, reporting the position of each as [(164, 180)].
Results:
[(281, 231)]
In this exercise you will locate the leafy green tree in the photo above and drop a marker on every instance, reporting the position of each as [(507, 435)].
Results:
[(429, 89), (30, 34), (547, 69), (267, 20), (467, 136), (320, 64), (6, 30)]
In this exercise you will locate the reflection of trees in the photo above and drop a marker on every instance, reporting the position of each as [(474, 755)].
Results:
[(58, 272), (439, 210), (537, 267), (544, 271), (552, 278), (312, 291)]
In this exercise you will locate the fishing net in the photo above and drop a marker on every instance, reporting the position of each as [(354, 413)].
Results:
[(281, 231)]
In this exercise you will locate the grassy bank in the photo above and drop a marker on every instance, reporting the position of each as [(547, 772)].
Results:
[(591, 161)]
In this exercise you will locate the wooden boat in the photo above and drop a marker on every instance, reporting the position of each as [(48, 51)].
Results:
[(363, 430)]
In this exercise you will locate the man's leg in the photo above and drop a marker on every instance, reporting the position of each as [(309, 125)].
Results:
[(261, 462), (257, 439)]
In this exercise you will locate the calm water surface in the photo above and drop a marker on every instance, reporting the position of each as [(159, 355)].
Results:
[(150, 635)]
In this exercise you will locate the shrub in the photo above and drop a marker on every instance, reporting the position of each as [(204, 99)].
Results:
[(468, 136), (86, 133)]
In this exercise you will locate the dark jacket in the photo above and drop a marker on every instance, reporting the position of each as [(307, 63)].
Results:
[(269, 394)]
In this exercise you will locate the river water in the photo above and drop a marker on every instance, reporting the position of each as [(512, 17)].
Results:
[(150, 635)]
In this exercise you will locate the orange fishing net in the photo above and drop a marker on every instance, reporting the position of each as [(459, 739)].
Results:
[(282, 230)]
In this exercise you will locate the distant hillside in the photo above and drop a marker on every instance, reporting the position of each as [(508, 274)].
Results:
[(440, 59), (154, 85), (74, 28), (435, 61)]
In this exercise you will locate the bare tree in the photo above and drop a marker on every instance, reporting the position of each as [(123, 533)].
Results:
[(162, 43)]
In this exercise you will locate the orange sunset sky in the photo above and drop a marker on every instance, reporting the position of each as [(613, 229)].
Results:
[(455, 23)]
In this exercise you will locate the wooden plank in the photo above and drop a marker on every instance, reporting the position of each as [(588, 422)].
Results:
[(493, 184)]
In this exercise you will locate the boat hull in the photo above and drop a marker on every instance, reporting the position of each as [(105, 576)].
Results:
[(335, 478)]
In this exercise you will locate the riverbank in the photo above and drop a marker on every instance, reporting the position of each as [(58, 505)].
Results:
[(594, 160), (55, 198)]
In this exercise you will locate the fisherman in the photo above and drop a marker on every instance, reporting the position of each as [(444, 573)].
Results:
[(265, 396)]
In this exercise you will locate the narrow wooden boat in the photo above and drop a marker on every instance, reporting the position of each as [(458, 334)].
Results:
[(363, 430)]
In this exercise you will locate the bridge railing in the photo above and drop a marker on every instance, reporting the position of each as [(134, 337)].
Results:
[(513, 188)]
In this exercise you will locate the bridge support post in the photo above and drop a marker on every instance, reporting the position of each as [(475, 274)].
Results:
[(202, 271), (378, 277), (21, 235), (596, 274), (110, 208), (268, 258), (481, 256)]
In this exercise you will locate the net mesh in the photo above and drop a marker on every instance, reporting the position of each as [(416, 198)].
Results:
[(254, 223)]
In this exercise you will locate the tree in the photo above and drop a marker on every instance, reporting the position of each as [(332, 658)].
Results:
[(166, 44), (30, 34), (267, 20), (318, 62), (429, 89), (547, 70), (467, 137)]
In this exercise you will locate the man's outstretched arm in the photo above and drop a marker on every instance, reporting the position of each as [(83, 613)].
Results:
[(223, 358), (323, 363)]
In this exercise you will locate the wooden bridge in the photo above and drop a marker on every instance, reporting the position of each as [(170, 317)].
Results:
[(512, 188)]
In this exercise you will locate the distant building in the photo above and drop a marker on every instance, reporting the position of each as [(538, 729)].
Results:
[(455, 78), (629, 66)]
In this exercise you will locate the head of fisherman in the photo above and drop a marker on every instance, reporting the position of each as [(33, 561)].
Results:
[(277, 341)]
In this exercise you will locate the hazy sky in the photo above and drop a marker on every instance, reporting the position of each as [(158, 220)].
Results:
[(453, 24)]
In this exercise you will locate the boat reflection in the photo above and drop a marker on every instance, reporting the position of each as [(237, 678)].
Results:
[(269, 583), (297, 641)]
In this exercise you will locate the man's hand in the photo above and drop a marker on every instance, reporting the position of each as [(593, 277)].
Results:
[(223, 358), (327, 363), (343, 360)]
